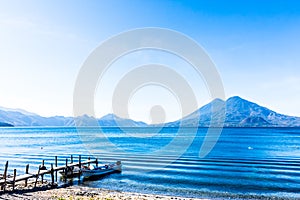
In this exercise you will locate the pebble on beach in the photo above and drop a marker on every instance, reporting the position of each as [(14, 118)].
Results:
[(47, 192)]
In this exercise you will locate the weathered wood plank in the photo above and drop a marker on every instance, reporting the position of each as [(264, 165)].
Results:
[(14, 179), (26, 172)]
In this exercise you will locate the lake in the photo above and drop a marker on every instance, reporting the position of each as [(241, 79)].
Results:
[(244, 162)]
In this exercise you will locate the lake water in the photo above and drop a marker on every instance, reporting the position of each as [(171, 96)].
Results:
[(245, 161)]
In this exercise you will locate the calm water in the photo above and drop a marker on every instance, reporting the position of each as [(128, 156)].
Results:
[(257, 161)]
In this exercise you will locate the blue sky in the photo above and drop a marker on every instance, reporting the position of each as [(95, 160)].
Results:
[(43, 44)]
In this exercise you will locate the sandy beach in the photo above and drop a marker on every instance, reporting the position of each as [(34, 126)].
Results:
[(46, 192), (76, 192)]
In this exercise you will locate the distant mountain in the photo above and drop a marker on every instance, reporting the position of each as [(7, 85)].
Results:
[(17, 110), (235, 112), (109, 120), (18, 117), (115, 121), (2, 124)]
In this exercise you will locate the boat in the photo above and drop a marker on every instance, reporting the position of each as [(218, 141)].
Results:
[(71, 172), (92, 171)]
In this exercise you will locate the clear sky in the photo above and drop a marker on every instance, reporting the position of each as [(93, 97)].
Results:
[(254, 44)]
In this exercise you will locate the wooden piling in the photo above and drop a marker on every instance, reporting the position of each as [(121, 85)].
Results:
[(26, 172), (96, 162), (79, 161), (55, 166), (89, 160), (79, 165), (66, 168), (52, 175), (5, 175), (37, 176), (71, 158), (14, 179), (43, 166)]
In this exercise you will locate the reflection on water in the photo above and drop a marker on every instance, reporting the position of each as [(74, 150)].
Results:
[(263, 161)]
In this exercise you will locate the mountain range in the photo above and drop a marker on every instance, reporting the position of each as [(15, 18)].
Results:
[(234, 112)]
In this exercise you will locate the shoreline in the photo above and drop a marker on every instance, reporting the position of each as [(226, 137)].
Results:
[(71, 192)]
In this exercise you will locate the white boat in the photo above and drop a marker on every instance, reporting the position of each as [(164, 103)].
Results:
[(91, 171)]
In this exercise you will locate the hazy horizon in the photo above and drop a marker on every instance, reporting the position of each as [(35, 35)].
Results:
[(28, 112)]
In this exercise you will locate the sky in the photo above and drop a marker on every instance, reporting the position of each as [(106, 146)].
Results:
[(43, 45)]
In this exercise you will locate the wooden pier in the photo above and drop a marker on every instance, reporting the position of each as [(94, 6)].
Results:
[(8, 180)]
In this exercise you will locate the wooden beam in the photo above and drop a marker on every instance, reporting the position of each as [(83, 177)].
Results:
[(14, 179), (26, 172), (52, 175), (66, 168), (5, 175), (43, 167), (55, 166), (79, 165), (37, 176)]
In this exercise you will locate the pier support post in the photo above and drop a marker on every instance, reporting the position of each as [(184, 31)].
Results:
[(37, 176), (79, 161), (14, 179), (89, 161), (55, 170), (43, 166), (71, 158), (96, 162), (26, 172), (4, 176), (79, 165), (66, 169), (52, 175)]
